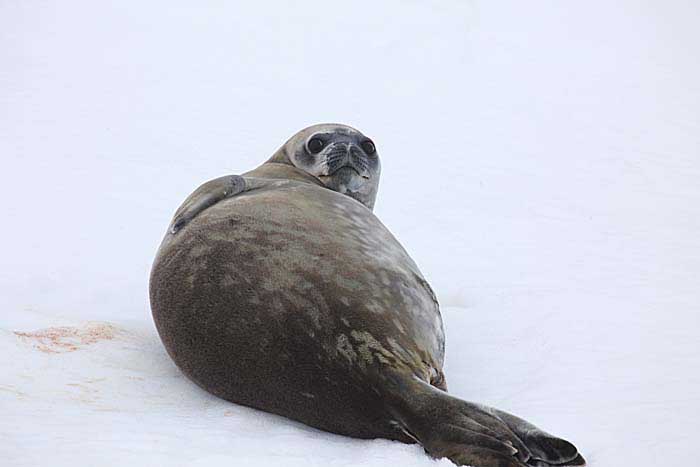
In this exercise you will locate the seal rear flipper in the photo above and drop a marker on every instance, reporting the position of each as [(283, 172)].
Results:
[(543, 446), (473, 434)]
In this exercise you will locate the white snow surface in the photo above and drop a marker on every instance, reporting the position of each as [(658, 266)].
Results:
[(541, 163)]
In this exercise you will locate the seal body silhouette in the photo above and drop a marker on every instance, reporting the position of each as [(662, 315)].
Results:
[(281, 290)]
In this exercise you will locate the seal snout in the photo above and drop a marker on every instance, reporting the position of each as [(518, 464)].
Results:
[(341, 155)]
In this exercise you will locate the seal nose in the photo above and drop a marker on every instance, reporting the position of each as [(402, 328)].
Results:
[(337, 156), (347, 154)]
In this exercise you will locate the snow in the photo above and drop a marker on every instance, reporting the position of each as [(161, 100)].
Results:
[(540, 163)]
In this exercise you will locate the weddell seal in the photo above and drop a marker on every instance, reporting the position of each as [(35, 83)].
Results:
[(279, 289)]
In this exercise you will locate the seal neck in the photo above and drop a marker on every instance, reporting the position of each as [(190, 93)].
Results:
[(283, 171)]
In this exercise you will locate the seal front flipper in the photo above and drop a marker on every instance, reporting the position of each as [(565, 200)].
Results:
[(472, 434), (205, 196)]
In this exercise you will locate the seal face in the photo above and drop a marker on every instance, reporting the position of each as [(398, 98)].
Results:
[(342, 158), (281, 290)]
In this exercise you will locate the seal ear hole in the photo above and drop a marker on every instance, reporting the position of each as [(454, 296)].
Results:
[(315, 145), (368, 147)]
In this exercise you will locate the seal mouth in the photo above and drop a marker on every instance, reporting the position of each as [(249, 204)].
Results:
[(348, 168)]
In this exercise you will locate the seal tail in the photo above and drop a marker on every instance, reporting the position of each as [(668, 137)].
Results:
[(473, 434)]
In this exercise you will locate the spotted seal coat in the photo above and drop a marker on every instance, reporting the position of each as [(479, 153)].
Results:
[(281, 290)]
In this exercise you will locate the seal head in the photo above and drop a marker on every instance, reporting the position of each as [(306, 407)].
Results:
[(340, 157)]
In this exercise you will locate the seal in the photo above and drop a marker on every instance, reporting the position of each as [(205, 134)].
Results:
[(281, 290)]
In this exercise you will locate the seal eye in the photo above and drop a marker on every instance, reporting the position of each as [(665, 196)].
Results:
[(315, 145), (368, 147)]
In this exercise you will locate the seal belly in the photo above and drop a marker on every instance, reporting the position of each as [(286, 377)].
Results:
[(295, 301)]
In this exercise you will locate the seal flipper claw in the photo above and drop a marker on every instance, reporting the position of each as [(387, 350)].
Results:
[(473, 434), (543, 446), (206, 196)]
